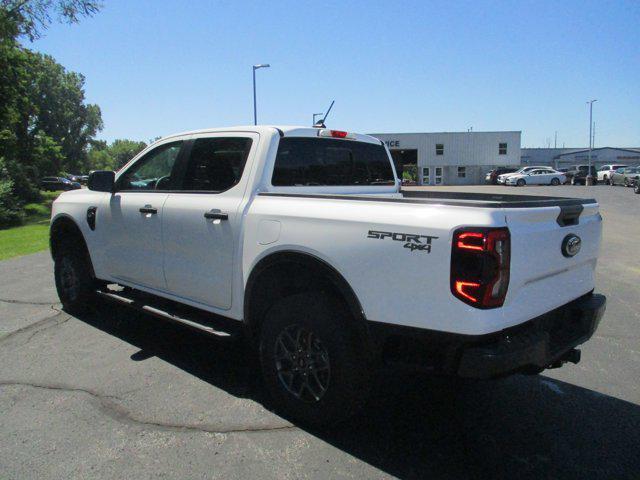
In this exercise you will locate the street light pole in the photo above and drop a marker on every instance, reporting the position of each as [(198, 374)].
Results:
[(255, 108), (589, 179)]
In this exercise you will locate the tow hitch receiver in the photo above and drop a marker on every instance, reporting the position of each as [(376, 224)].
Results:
[(572, 356)]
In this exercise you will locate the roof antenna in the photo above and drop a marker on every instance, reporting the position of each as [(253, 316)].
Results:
[(320, 123)]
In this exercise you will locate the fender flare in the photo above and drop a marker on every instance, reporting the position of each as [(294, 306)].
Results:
[(312, 262)]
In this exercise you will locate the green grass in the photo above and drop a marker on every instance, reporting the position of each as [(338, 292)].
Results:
[(33, 236), (24, 240)]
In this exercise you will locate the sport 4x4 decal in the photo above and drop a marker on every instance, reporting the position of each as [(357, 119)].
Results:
[(411, 241)]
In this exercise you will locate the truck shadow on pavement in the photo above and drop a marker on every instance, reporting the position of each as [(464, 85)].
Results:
[(417, 426)]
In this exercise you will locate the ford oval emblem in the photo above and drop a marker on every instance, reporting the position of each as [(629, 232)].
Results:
[(571, 245)]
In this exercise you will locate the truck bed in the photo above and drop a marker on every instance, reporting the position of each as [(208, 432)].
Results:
[(467, 199)]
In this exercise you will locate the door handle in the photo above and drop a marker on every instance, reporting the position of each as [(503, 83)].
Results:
[(148, 209), (216, 215)]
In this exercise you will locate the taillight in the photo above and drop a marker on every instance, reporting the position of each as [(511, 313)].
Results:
[(480, 259)]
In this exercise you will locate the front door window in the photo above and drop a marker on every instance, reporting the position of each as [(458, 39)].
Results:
[(153, 171)]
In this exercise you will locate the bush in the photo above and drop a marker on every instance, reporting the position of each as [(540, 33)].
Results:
[(37, 210), (10, 212)]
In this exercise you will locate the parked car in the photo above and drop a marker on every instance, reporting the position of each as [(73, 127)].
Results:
[(301, 241), (577, 174), (492, 175), (503, 177), (540, 176), (604, 172), (82, 179), (624, 176), (58, 183)]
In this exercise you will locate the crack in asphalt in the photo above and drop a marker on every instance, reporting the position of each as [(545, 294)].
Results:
[(24, 302), (47, 327), (53, 319), (120, 413)]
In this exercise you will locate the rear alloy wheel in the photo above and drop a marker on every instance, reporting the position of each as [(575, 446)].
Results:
[(311, 363), (303, 363), (521, 182), (626, 182), (555, 182), (636, 187)]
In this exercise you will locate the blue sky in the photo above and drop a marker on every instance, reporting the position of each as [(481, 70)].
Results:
[(159, 67)]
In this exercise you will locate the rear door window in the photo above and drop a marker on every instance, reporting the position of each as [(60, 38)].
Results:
[(216, 164), (330, 162)]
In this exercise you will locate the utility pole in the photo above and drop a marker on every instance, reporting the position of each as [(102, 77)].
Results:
[(589, 178), (555, 140)]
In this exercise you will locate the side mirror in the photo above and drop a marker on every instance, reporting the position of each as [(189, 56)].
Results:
[(102, 181)]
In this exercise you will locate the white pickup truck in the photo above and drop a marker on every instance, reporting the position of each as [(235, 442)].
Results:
[(301, 241)]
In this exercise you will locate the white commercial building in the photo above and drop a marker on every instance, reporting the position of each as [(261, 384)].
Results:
[(451, 158)]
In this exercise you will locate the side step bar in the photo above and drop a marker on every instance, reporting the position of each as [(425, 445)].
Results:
[(144, 307)]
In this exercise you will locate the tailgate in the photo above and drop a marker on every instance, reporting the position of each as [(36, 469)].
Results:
[(542, 276)]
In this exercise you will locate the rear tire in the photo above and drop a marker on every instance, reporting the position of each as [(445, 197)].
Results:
[(310, 361), (636, 187), (75, 283)]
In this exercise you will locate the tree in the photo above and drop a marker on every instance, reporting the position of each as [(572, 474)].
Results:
[(32, 17), (59, 111), (45, 125), (124, 150), (113, 157)]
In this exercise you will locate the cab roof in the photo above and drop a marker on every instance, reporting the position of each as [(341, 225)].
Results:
[(283, 130)]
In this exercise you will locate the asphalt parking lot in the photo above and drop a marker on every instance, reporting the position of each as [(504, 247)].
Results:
[(117, 394)]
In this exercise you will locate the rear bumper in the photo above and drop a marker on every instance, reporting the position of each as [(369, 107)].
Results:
[(540, 343)]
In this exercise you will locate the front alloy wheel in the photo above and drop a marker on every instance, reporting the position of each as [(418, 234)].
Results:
[(68, 279), (74, 281)]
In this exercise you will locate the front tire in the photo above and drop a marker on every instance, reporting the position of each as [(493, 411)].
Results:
[(636, 187), (74, 279), (521, 182), (555, 182), (310, 361)]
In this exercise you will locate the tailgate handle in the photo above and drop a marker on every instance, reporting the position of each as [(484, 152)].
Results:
[(569, 215)]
